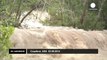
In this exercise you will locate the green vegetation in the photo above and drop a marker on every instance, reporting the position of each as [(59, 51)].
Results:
[(5, 44), (76, 13), (73, 13), (6, 28)]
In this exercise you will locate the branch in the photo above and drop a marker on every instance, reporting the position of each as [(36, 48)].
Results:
[(28, 13)]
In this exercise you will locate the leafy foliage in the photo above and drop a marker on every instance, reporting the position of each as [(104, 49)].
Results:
[(69, 13), (63, 13), (5, 44)]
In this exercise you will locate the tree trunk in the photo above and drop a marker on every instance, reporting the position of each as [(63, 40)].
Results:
[(84, 12)]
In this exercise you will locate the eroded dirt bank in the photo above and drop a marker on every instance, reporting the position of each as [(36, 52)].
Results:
[(60, 37)]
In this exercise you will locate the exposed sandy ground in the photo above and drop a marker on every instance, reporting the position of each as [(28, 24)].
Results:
[(60, 37)]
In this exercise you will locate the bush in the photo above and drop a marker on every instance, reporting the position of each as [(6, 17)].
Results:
[(71, 13), (5, 44)]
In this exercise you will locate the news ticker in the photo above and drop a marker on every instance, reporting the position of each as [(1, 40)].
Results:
[(53, 51)]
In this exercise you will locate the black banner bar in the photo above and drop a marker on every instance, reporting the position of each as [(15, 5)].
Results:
[(17, 51), (62, 51)]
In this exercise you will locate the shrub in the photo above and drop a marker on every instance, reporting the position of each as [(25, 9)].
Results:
[(5, 44)]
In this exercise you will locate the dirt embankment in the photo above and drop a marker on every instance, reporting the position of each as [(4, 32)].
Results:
[(63, 37)]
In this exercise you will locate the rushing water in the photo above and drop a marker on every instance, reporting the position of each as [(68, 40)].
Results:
[(34, 18), (39, 36)]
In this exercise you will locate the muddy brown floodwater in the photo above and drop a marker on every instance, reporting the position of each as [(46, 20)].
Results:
[(64, 38)]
